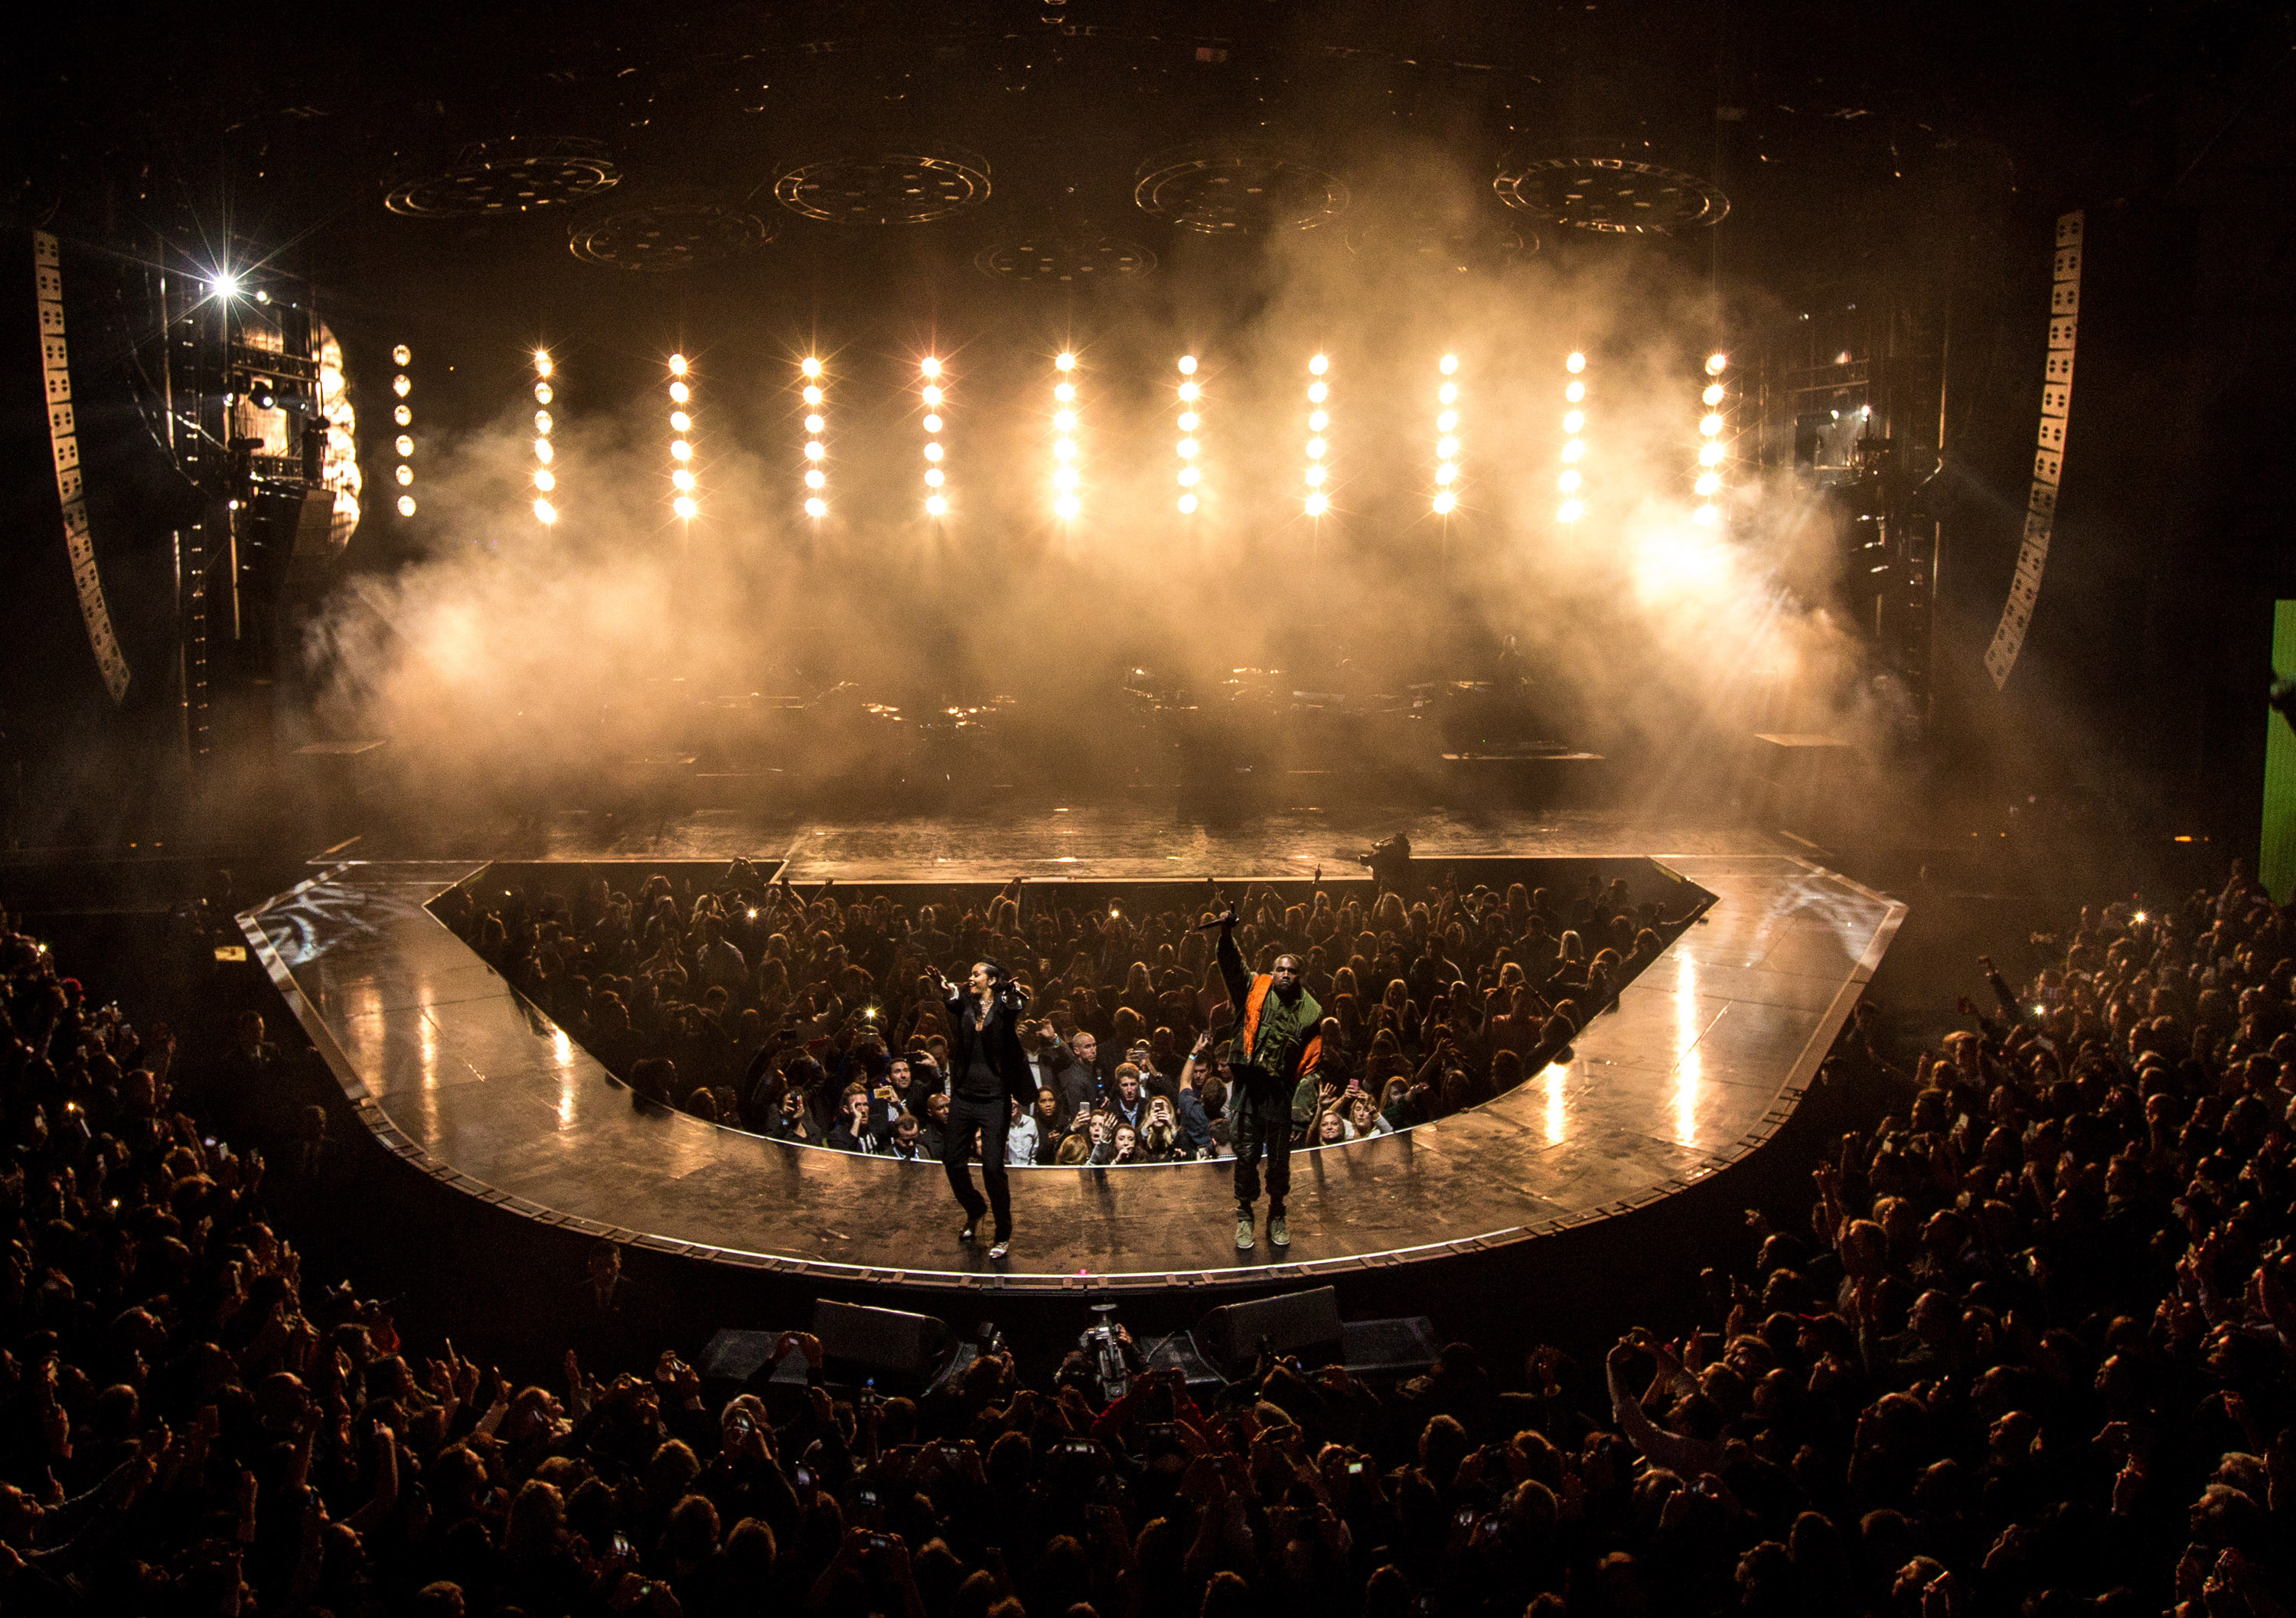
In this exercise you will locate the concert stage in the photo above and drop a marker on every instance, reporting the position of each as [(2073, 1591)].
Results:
[(1707, 1056)]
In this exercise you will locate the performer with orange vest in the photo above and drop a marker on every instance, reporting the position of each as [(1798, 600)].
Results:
[(1276, 1043)]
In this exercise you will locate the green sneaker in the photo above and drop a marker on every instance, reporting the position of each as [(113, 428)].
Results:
[(1279, 1234), (1243, 1231)]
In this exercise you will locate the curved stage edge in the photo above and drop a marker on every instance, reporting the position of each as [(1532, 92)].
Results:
[(1706, 1057)]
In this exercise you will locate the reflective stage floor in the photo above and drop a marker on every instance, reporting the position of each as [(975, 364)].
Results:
[(1706, 1055)]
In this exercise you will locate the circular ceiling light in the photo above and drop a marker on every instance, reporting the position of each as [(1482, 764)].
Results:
[(885, 188), (508, 177), (1049, 257), (672, 234), (1613, 196), (1239, 193)]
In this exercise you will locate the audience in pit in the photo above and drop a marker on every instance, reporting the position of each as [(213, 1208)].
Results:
[(2031, 1355), (725, 1001)]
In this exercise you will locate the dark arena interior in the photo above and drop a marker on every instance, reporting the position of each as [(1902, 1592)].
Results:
[(1127, 808)]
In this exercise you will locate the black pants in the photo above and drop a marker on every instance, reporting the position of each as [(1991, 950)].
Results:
[(988, 1120), (1257, 1128)]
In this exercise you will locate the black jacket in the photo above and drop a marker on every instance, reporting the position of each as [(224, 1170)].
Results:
[(1002, 1032)]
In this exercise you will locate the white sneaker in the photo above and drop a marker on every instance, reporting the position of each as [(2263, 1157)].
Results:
[(1279, 1235), (1243, 1231)]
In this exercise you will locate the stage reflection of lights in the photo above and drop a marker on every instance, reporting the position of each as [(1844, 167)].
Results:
[(1688, 1024)]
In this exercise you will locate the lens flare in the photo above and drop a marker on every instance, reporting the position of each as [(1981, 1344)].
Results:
[(930, 367), (811, 367)]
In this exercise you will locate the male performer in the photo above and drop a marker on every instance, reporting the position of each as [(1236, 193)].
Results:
[(1276, 1044), (987, 1068)]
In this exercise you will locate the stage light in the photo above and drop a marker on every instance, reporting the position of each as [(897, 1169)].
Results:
[(1318, 505), (1064, 420), (812, 395), (1705, 516), (817, 478), (680, 450), (1065, 478), (817, 508), (1189, 477), (1574, 392), (542, 451), (405, 473), (401, 385), (1065, 450), (1574, 446), (1445, 472), (1716, 364), (814, 422), (407, 506), (1447, 394), (1444, 502), (937, 505), (1713, 394), (1448, 449), (1065, 392), (402, 355), (1708, 482), (1187, 450), (1570, 511), (684, 506), (1711, 453), (1318, 365), (1450, 363), (1315, 477), (402, 415), (933, 424), (680, 392), (1068, 507), (542, 422), (542, 362), (814, 450), (932, 394), (1710, 456), (541, 394), (929, 365), (932, 452), (1709, 425), (405, 446), (1189, 390), (935, 477), (679, 422), (1188, 420), (1064, 362), (1187, 503), (225, 285), (1318, 393), (681, 479), (545, 512), (1575, 364), (1573, 450), (1569, 481), (1316, 448), (678, 364), (811, 367), (1187, 364), (1317, 421)]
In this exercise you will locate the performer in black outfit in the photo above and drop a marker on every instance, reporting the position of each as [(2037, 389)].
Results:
[(988, 1070)]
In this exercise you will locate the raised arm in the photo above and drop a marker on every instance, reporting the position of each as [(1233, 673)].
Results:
[(1233, 971)]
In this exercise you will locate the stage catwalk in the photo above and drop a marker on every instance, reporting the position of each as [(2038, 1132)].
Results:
[(1707, 1054)]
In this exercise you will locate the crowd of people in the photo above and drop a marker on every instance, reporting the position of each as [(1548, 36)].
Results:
[(811, 1017), (2030, 1353)]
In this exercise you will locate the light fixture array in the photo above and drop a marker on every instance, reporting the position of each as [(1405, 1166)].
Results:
[(935, 394), (817, 449), (1446, 436), (1572, 482), (685, 502), (1319, 420), (402, 415), (1068, 478), (1190, 419), (545, 479), (1711, 454)]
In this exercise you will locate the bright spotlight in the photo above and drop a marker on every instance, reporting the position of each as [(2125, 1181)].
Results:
[(1575, 364), (1187, 450), (1704, 515), (1318, 365), (932, 394), (542, 451), (1189, 477), (1572, 450), (684, 506), (1708, 483), (545, 479), (545, 511), (1716, 364), (542, 362), (1570, 511), (812, 449), (1188, 419), (1317, 393), (680, 450), (1713, 394), (1064, 392), (937, 505), (812, 395), (1448, 393), (1569, 481), (541, 394), (931, 367), (682, 478), (1444, 502), (1574, 392), (1317, 421), (1709, 425), (407, 506), (1065, 450), (1318, 505), (932, 452), (817, 478), (1710, 456), (817, 508), (1187, 364), (1065, 478), (680, 392), (405, 446), (1316, 448), (1448, 363), (404, 473), (1189, 390), (933, 424), (815, 423), (226, 284), (811, 367), (1445, 472), (1448, 449), (1315, 476), (402, 355), (935, 477), (1187, 503), (1068, 505), (543, 423), (678, 364), (1064, 362), (401, 385)]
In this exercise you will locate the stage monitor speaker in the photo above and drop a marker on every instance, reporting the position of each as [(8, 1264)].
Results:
[(741, 1361), (885, 1342), (1302, 1323), (1370, 1348)]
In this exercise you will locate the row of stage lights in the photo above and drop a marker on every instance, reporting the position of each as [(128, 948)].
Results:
[(1068, 502), (402, 416)]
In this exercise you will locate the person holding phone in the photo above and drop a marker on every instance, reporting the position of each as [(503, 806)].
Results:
[(988, 1070)]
